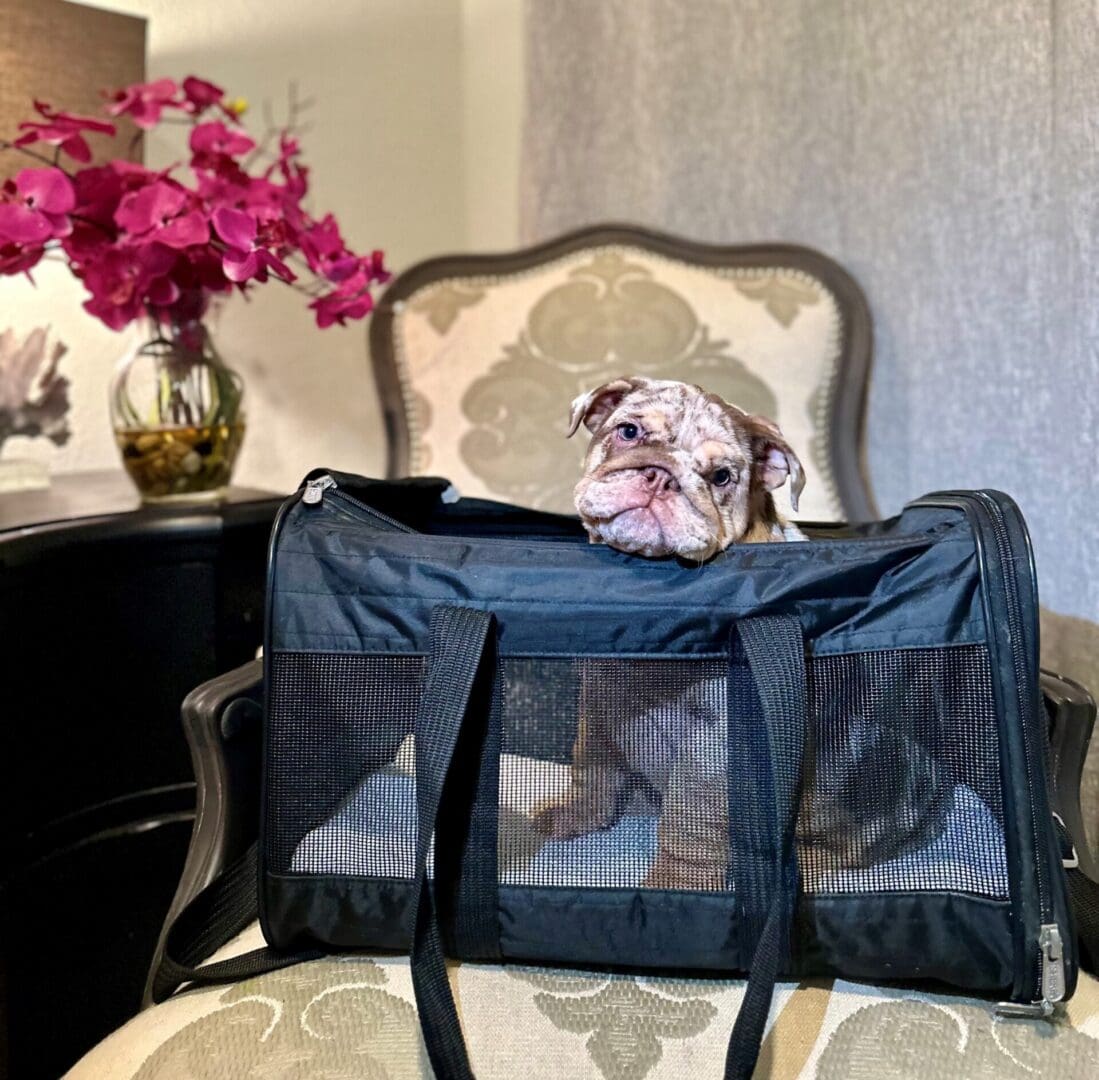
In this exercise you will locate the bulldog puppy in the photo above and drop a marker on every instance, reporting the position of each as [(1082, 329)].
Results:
[(674, 470), (671, 470)]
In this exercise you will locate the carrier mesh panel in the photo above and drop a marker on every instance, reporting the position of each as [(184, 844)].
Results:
[(340, 797), (620, 729), (904, 782), (613, 772)]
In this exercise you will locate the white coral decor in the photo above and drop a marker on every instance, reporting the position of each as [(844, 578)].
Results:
[(34, 397)]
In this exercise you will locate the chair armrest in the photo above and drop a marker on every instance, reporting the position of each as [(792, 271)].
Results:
[(1072, 718), (223, 722)]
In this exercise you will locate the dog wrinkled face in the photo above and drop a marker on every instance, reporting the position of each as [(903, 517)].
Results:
[(674, 470)]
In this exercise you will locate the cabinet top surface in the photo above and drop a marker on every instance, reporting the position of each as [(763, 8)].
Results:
[(105, 493)]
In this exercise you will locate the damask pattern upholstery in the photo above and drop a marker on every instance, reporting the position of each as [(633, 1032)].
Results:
[(489, 364), (354, 1017)]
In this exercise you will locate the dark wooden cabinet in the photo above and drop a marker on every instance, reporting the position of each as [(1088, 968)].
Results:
[(110, 613)]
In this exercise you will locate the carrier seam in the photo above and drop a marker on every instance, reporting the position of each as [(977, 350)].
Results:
[(791, 550), (525, 601)]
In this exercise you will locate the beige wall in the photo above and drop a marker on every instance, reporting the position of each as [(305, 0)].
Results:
[(413, 145), (493, 85)]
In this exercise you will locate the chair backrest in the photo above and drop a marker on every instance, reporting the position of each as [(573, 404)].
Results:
[(477, 357)]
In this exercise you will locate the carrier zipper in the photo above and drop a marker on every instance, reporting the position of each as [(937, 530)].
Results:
[(1019, 661), (1052, 979), (1049, 971), (319, 488), (1051, 959), (1053, 963), (314, 493)]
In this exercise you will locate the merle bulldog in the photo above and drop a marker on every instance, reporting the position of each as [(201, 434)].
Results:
[(673, 470)]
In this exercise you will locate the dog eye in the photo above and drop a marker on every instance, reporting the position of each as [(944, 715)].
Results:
[(628, 432), (721, 477)]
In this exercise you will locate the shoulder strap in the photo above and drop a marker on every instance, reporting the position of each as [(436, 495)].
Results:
[(1083, 895), (459, 637), (215, 916), (775, 652)]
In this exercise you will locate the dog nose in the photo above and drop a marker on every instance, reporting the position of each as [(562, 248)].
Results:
[(660, 480)]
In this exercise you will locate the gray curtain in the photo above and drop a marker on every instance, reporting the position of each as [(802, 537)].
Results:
[(947, 153)]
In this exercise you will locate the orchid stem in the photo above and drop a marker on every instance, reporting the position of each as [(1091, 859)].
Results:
[(6, 145)]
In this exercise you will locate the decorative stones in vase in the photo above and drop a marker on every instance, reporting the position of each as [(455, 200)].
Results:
[(177, 416)]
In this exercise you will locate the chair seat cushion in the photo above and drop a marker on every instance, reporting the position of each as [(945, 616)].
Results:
[(354, 1016)]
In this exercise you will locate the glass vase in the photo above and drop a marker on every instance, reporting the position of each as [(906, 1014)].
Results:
[(177, 416)]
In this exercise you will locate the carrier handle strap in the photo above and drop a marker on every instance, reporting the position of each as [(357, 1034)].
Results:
[(775, 651), (1083, 897), (212, 918), (459, 637), (459, 640)]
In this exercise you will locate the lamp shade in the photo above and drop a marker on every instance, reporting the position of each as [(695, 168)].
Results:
[(67, 55)]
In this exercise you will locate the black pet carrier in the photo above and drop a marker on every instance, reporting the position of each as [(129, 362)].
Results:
[(486, 737)]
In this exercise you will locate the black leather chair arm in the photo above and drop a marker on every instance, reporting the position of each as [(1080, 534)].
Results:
[(223, 722), (1072, 717)]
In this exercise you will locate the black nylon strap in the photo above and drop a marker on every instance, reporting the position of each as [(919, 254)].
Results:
[(472, 832), (1084, 897), (753, 840), (776, 657), (216, 915), (775, 654), (458, 640)]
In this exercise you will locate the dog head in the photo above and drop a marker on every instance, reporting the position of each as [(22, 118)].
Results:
[(674, 470)]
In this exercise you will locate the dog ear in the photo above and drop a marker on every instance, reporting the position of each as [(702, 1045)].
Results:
[(596, 405), (774, 458)]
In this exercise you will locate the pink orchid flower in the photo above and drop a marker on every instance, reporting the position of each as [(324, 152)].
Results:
[(144, 102), (162, 212), (266, 202), (200, 271), (62, 129), (36, 206), (149, 243), (123, 281), (19, 258), (350, 300), (98, 192), (379, 273), (214, 137), (245, 257), (324, 249), (201, 94)]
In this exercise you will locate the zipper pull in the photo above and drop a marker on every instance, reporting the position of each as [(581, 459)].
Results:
[(313, 495), (1025, 1010), (1052, 962)]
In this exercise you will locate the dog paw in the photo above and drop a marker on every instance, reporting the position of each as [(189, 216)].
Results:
[(562, 820), (668, 872)]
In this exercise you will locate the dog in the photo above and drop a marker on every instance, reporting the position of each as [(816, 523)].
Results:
[(675, 471)]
